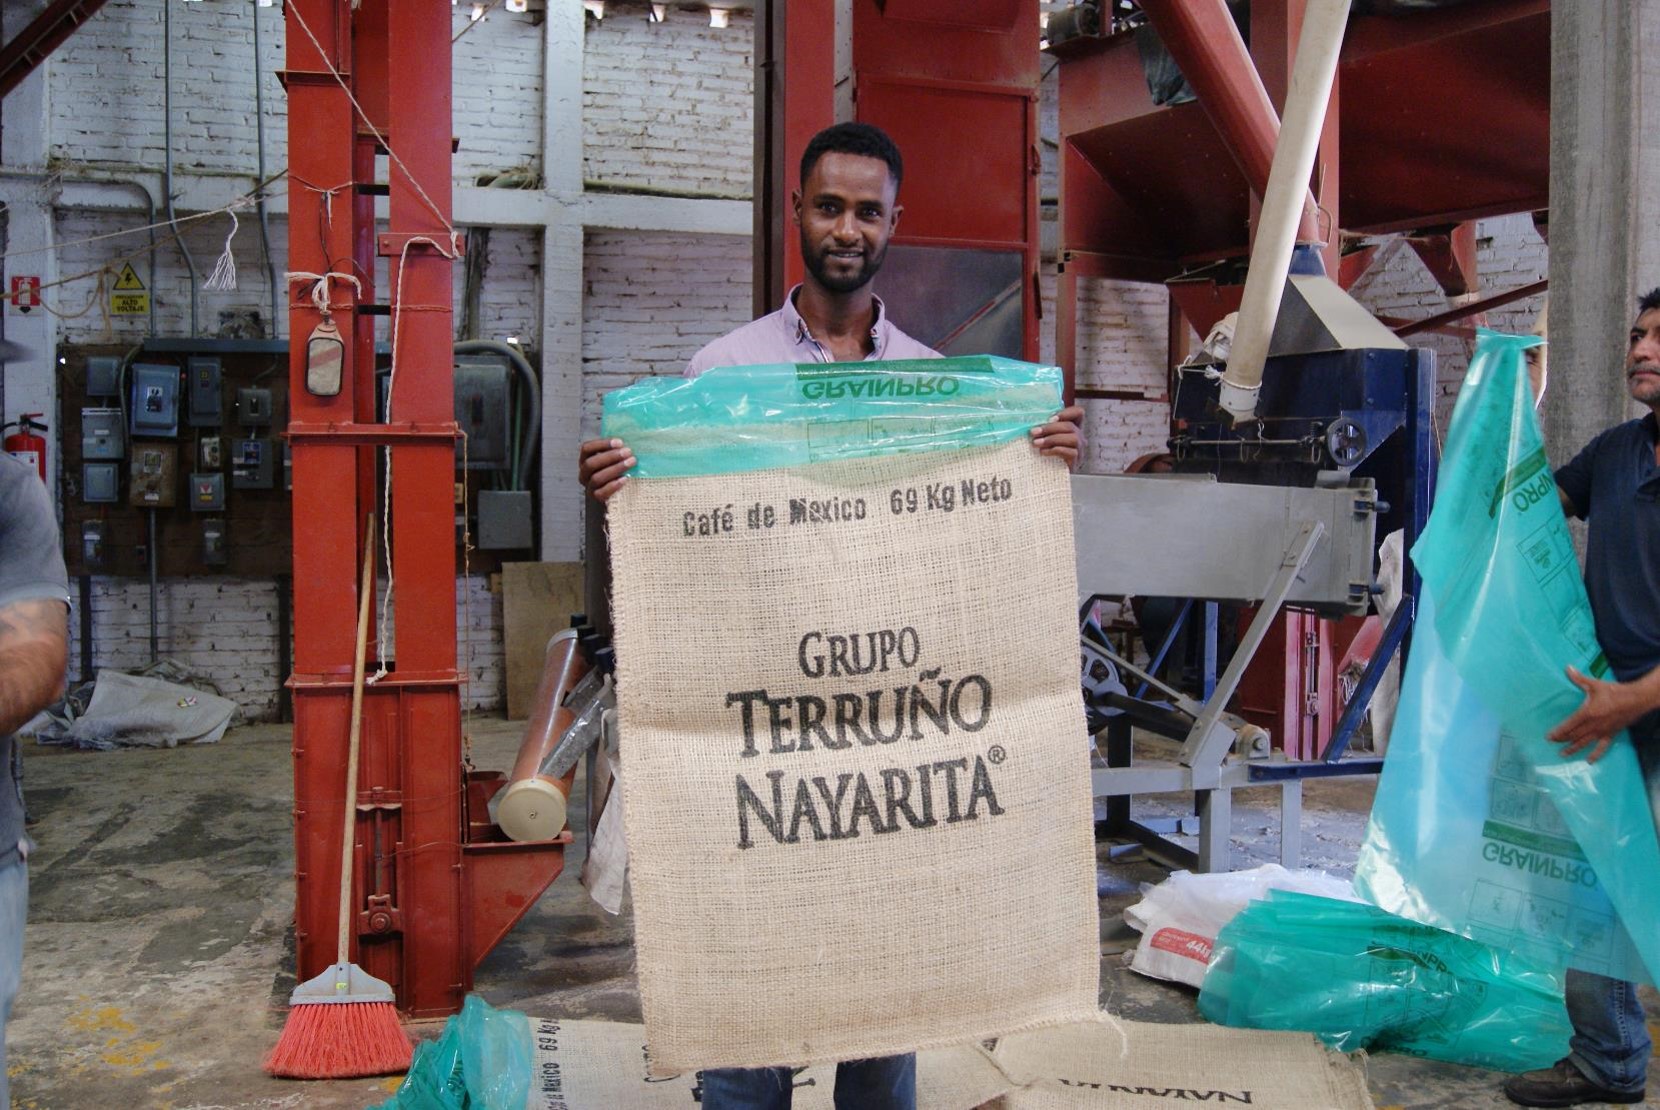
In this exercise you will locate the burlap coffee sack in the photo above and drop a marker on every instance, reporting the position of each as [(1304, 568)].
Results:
[(603, 1065), (1131, 1065), (810, 887)]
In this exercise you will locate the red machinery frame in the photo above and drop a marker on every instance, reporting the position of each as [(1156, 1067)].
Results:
[(436, 884), (1437, 119)]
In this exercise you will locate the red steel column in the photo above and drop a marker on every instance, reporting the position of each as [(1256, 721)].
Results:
[(794, 100), (436, 971), (325, 505)]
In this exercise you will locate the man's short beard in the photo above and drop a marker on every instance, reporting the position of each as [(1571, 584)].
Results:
[(814, 261)]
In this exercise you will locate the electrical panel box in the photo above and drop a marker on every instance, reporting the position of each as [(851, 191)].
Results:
[(92, 543), (214, 552), (504, 520), (207, 408), (251, 464), (481, 408), (154, 477), (210, 453), (103, 435), (101, 483), (154, 410), (103, 376), (207, 493), (253, 407)]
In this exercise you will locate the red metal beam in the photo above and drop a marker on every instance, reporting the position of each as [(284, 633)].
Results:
[(1449, 253), (1436, 322), (32, 45), (1205, 42)]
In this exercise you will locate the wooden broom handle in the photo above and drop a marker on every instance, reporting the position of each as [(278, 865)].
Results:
[(359, 658)]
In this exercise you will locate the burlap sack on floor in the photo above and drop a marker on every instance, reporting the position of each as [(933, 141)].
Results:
[(1132, 1065), (603, 1065), (815, 876)]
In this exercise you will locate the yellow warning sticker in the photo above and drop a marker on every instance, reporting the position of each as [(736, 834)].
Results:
[(128, 296)]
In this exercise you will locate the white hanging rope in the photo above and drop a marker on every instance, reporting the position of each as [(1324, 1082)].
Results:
[(391, 382), (223, 278)]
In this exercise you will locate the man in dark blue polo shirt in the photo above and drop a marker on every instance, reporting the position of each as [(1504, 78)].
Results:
[(1614, 485)]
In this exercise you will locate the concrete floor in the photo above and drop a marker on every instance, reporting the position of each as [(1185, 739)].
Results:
[(159, 950)]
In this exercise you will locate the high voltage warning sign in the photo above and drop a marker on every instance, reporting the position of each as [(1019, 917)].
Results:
[(128, 296)]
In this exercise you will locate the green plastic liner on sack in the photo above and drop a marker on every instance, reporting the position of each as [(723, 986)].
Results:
[(1359, 978), (738, 418), (1480, 825)]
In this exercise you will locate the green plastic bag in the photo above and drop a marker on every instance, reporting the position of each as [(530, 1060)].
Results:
[(1359, 978), (482, 1061), (738, 418), (1481, 825)]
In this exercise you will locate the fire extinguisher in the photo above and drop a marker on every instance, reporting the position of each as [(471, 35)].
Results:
[(25, 444)]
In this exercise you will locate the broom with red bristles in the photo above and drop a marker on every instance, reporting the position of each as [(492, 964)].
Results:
[(343, 1023)]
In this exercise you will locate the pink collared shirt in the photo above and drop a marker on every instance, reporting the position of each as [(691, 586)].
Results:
[(782, 336)]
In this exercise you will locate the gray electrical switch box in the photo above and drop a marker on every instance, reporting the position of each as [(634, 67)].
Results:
[(251, 464), (504, 520), (481, 389), (207, 409), (214, 552), (103, 376), (100, 483), (253, 407), (102, 434), (154, 409), (207, 493)]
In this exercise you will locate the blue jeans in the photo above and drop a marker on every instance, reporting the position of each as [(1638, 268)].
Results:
[(885, 1083), (1611, 1043), (14, 906)]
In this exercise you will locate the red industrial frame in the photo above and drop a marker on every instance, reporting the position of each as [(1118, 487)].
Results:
[(436, 885)]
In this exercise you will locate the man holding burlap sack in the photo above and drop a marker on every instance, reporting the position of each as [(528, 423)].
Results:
[(847, 211)]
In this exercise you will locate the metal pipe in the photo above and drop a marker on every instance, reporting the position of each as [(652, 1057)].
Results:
[(1312, 74), (167, 182), (533, 806), (259, 196), (155, 560), (84, 588), (1204, 41), (533, 390)]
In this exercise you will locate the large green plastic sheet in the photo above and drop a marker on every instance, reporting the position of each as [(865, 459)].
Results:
[(738, 418), (1480, 825), (1359, 978)]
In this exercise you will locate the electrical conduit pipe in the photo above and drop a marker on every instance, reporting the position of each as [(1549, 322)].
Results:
[(533, 806), (1312, 74)]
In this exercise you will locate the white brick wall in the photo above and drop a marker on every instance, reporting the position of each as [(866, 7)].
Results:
[(111, 69), (1121, 345), (204, 238), (670, 105), (510, 301), (1509, 253), (226, 630), (651, 300), (106, 88)]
